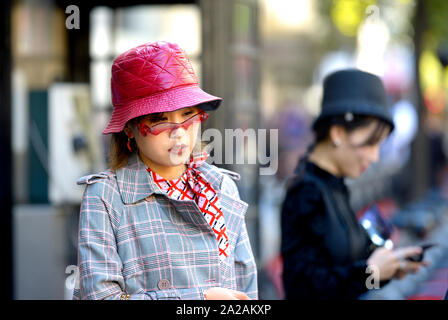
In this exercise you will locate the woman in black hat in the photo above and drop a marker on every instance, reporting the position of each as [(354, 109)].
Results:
[(326, 253)]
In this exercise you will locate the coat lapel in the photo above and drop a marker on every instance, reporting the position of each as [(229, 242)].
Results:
[(135, 184)]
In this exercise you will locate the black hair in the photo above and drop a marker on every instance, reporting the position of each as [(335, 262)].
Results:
[(349, 122)]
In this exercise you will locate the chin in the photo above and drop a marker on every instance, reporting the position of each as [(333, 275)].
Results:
[(360, 173), (176, 160), (353, 175)]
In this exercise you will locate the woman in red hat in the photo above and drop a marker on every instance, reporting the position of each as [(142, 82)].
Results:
[(161, 223)]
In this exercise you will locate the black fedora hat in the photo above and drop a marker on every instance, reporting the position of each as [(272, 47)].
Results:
[(356, 92)]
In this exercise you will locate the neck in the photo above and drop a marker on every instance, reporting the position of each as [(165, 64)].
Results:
[(166, 172), (322, 156)]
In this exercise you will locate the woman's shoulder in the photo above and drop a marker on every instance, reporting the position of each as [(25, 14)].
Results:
[(221, 171), (95, 177), (304, 188), (228, 184), (101, 193), (303, 197), (100, 184)]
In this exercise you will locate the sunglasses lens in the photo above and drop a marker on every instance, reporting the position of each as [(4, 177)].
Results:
[(159, 128)]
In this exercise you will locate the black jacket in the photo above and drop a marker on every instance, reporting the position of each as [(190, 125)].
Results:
[(324, 248)]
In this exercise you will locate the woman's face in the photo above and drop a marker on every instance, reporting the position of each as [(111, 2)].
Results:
[(353, 157), (168, 149)]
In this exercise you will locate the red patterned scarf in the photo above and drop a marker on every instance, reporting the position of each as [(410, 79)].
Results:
[(192, 185)]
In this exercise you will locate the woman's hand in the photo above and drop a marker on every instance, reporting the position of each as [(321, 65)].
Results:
[(218, 293), (393, 263), (408, 266)]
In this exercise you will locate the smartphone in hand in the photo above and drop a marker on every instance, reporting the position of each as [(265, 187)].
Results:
[(419, 257)]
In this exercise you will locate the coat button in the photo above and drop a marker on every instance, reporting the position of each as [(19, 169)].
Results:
[(163, 284)]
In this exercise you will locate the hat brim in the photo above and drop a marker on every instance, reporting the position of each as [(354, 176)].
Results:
[(167, 101), (357, 109)]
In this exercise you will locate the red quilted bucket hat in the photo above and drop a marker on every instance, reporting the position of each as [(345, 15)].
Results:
[(154, 77)]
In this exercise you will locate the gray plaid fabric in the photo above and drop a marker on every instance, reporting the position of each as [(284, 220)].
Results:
[(135, 240)]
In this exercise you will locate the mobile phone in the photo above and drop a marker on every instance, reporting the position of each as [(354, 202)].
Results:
[(419, 257)]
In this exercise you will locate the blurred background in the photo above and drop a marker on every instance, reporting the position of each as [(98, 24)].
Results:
[(267, 59)]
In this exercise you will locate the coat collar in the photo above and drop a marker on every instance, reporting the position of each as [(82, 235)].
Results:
[(135, 183)]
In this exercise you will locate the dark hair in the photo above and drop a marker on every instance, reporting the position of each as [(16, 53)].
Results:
[(118, 150), (351, 123), (322, 128)]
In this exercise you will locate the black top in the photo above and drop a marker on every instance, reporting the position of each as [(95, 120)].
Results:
[(324, 250)]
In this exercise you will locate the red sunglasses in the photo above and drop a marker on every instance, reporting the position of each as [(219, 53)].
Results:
[(156, 129)]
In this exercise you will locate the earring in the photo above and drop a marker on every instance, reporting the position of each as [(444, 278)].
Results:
[(129, 145)]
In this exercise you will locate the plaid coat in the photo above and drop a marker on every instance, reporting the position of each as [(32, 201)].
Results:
[(135, 240)]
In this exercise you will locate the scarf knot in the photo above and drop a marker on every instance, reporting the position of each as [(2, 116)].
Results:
[(193, 185)]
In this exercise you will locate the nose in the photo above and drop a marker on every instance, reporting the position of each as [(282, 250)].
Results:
[(177, 132), (374, 153)]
